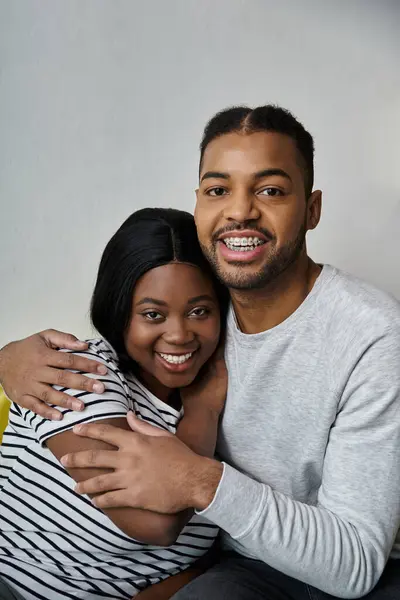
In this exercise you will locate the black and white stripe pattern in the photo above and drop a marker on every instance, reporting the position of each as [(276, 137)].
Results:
[(54, 544)]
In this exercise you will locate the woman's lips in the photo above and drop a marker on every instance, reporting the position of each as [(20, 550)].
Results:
[(176, 367)]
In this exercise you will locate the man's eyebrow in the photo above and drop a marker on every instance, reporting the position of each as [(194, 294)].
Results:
[(201, 298), (258, 175), (271, 173), (215, 175), (151, 301)]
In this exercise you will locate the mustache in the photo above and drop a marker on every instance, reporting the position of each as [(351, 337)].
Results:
[(241, 227)]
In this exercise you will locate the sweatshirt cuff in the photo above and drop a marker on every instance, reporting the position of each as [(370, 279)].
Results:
[(237, 503)]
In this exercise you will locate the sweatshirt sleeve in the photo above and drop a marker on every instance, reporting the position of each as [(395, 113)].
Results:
[(341, 544)]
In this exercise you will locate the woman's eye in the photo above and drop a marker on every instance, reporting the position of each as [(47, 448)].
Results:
[(217, 191), (271, 191), (152, 315), (199, 312)]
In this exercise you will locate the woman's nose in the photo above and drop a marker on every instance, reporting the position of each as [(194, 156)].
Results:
[(178, 333)]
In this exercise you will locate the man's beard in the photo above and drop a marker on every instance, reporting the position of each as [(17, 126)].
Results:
[(278, 261)]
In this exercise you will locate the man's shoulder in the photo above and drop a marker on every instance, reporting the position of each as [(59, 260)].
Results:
[(354, 303)]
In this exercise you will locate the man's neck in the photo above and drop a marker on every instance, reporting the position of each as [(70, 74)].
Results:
[(260, 310)]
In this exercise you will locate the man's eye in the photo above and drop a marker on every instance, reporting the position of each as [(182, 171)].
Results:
[(217, 191), (271, 191), (152, 315)]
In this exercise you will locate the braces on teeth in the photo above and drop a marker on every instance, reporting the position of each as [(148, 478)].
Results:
[(243, 244)]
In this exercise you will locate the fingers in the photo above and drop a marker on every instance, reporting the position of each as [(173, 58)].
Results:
[(73, 381), (106, 433), (96, 485), (59, 339), (114, 499), (36, 406), (105, 459), (145, 428), (65, 360), (49, 395)]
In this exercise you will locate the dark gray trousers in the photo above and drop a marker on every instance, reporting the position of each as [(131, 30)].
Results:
[(235, 577), (6, 593)]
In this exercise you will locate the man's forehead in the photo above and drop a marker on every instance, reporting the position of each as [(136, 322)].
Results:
[(249, 152)]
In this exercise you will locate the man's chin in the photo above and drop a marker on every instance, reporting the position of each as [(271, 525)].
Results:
[(242, 278)]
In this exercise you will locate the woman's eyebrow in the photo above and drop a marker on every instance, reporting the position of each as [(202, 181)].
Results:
[(201, 298), (149, 300)]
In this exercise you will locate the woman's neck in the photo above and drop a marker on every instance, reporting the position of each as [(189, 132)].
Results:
[(163, 393)]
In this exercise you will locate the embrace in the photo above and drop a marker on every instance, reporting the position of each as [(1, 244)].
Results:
[(234, 432)]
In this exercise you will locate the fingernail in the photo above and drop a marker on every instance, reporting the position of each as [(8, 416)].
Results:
[(57, 416), (98, 388), (102, 369), (77, 405), (77, 489), (64, 460), (79, 343), (77, 428)]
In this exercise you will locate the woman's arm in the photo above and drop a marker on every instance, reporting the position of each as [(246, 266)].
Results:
[(142, 525), (29, 367), (203, 402)]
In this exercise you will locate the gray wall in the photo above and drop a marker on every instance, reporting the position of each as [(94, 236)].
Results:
[(102, 105)]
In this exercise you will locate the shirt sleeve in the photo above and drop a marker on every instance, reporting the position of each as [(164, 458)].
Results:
[(341, 545), (113, 402)]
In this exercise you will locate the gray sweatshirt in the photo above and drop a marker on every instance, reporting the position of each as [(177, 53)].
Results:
[(310, 439)]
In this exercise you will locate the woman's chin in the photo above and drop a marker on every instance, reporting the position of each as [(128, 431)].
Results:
[(181, 380)]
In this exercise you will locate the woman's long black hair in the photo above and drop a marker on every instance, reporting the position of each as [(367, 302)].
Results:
[(149, 238)]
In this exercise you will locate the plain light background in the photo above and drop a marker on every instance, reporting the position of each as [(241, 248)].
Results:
[(102, 106)]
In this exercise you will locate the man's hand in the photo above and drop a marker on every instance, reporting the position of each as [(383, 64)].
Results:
[(152, 470), (29, 367)]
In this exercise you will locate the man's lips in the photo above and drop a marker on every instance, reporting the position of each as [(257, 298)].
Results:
[(231, 254), (243, 233), (241, 256)]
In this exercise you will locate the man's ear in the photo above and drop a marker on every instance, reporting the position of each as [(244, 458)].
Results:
[(314, 205)]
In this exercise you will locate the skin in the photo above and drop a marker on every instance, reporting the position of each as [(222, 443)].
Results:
[(163, 474), (174, 320), (264, 291), (256, 183)]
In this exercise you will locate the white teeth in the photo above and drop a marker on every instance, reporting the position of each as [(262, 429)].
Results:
[(174, 359), (243, 244)]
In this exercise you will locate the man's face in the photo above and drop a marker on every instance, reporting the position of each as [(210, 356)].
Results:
[(251, 213)]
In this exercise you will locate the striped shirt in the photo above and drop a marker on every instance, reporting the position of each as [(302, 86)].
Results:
[(54, 544)]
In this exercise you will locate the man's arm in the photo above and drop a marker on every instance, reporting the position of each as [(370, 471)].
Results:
[(143, 525), (340, 545), (29, 367)]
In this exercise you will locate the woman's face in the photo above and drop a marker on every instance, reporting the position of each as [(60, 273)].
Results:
[(174, 326)]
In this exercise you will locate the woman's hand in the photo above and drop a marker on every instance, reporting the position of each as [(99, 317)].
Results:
[(209, 388), (29, 367)]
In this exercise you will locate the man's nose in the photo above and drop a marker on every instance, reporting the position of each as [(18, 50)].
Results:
[(241, 207)]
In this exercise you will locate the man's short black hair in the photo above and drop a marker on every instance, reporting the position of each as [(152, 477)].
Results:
[(268, 118)]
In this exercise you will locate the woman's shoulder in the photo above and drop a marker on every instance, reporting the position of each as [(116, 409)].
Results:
[(100, 348)]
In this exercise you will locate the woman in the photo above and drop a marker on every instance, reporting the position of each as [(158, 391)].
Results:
[(158, 310)]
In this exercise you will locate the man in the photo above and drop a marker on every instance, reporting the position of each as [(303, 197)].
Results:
[(308, 490)]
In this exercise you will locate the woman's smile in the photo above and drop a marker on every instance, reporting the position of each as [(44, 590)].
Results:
[(174, 327)]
